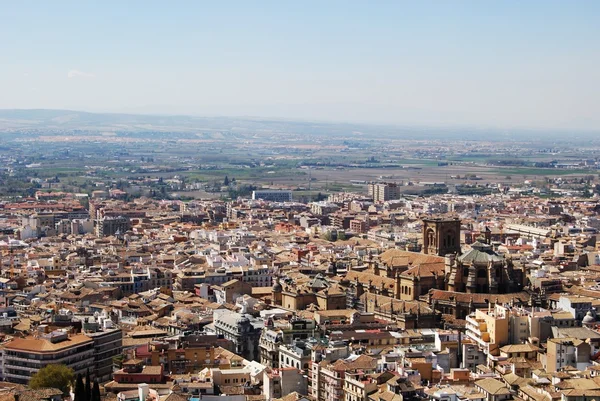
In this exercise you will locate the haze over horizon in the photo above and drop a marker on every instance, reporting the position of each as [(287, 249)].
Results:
[(500, 65)]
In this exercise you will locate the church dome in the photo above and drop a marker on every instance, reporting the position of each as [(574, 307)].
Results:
[(318, 283), (589, 318), (480, 253), (277, 286)]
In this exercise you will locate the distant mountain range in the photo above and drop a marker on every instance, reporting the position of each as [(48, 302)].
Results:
[(80, 120), (23, 120)]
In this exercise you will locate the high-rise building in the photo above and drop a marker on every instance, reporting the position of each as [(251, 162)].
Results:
[(384, 191)]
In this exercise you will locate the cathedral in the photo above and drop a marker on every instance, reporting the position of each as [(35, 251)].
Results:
[(442, 267), (481, 270), (478, 270)]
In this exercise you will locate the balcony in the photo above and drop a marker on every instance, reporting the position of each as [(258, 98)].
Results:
[(476, 324), (24, 360), (21, 377), (480, 339), (8, 365)]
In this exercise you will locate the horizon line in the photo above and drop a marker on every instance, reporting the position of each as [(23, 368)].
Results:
[(318, 121)]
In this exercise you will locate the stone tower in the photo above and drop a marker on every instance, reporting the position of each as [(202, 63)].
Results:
[(276, 291), (441, 236)]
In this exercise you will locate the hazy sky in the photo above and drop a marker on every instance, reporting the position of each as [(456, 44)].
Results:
[(480, 63)]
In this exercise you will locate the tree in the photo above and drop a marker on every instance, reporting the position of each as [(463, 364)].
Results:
[(79, 389), (118, 361), (95, 391), (226, 181), (54, 376), (88, 386)]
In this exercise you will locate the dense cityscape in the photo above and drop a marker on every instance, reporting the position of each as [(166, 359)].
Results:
[(299, 200), (450, 277)]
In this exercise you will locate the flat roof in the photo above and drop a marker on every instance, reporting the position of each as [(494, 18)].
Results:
[(40, 345)]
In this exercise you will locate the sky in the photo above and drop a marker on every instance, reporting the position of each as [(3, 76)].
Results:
[(489, 64)]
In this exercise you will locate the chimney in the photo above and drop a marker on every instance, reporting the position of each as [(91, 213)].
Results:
[(143, 391)]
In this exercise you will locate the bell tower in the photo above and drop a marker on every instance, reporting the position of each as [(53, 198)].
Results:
[(441, 236)]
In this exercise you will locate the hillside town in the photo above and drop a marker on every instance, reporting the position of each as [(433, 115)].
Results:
[(359, 297)]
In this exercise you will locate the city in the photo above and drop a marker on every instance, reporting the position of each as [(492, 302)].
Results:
[(299, 201), (361, 296)]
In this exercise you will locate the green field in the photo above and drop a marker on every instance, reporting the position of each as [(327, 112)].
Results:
[(542, 171)]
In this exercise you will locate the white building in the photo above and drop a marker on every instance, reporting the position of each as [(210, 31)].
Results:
[(273, 195), (280, 382)]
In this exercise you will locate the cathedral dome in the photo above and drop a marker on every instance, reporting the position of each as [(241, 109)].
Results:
[(480, 253), (589, 318)]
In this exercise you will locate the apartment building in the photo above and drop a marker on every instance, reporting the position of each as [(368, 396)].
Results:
[(280, 382), (488, 328), (323, 208), (140, 279), (108, 343), (359, 226), (242, 329), (329, 378), (358, 386), (23, 357), (273, 195), (385, 191), (566, 351), (134, 373), (110, 225), (256, 276), (186, 354), (296, 355), (275, 335), (529, 322), (578, 306)]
